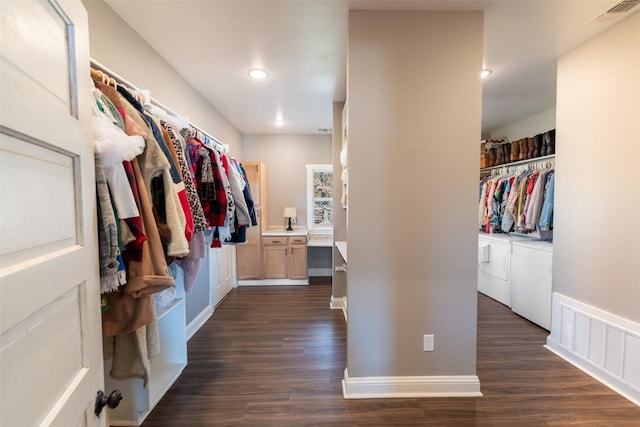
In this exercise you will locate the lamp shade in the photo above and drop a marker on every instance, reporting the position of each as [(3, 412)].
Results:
[(289, 212)]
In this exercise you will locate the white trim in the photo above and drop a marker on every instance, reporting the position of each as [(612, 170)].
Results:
[(602, 344), (199, 321), (410, 387), (274, 282), (339, 303)]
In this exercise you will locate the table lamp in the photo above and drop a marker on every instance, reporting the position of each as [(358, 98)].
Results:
[(289, 212)]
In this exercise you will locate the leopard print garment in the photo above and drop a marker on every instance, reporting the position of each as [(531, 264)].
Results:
[(199, 220)]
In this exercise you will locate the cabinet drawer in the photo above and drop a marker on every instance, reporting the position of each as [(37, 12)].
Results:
[(267, 241), (298, 240)]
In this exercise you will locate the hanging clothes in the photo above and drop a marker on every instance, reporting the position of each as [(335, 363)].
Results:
[(208, 177), (546, 214), (150, 213), (199, 221), (239, 236), (515, 200), (159, 177), (133, 226)]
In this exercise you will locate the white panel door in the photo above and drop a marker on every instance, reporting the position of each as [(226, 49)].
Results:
[(50, 342), (222, 266)]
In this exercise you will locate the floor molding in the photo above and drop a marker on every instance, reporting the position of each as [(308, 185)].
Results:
[(339, 303), (274, 282), (199, 321), (410, 387)]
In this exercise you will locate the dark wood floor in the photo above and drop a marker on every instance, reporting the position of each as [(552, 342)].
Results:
[(275, 356)]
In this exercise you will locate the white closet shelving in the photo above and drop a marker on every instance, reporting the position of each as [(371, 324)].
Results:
[(138, 401), (177, 323)]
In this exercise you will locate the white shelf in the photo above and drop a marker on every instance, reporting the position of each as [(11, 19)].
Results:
[(169, 308), (342, 248), (163, 375), (139, 401)]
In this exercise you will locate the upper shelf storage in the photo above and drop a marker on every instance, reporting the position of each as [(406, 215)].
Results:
[(488, 170), (498, 152)]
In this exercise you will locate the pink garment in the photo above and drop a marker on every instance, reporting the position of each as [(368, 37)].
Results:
[(534, 207), (191, 265)]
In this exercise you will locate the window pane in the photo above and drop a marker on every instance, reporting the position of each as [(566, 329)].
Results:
[(320, 196), (322, 184), (322, 213)]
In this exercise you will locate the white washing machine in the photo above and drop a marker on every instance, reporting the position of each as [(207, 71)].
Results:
[(531, 278)]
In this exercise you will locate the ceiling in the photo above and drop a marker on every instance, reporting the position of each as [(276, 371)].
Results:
[(302, 45)]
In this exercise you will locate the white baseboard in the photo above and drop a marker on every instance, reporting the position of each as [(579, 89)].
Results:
[(410, 387), (198, 321), (339, 303), (603, 345), (274, 282)]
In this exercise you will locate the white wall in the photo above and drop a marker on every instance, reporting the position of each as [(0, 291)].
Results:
[(597, 200), (117, 46), (538, 123), (595, 320), (414, 96), (285, 157)]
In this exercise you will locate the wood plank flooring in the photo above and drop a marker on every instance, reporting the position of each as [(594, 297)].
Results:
[(275, 356)]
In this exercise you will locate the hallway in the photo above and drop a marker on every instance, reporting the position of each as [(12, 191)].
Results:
[(275, 356)]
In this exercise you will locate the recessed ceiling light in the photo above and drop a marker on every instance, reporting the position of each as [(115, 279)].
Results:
[(485, 73), (279, 123), (257, 73)]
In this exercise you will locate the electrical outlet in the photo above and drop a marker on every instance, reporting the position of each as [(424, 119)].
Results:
[(294, 220), (428, 343)]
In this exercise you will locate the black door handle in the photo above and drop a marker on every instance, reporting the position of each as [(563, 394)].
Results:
[(112, 401)]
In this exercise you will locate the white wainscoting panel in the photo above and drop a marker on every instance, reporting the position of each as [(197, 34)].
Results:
[(631, 367), (604, 345), (613, 354)]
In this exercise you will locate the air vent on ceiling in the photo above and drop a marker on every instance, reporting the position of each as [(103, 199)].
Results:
[(617, 11)]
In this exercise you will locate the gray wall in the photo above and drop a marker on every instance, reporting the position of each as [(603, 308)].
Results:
[(285, 157), (414, 97), (596, 256), (117, 46)]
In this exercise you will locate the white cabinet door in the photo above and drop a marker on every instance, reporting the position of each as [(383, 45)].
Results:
[(50, 343), (223, 267)]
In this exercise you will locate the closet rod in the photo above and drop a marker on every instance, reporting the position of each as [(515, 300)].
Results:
[(97, 65), (525, 162), (510, 168)]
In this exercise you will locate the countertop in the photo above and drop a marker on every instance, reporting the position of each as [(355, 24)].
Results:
[(273, 232), (314, 239)]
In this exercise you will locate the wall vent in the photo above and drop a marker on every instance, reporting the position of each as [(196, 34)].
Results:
[(617, 11)]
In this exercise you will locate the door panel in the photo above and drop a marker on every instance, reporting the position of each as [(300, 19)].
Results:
[(46, 221), (36, 47), (50, 342), (249, 263), (298, 262), (275, 262)]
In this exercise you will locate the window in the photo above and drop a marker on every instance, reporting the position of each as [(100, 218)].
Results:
[(319, 197)]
